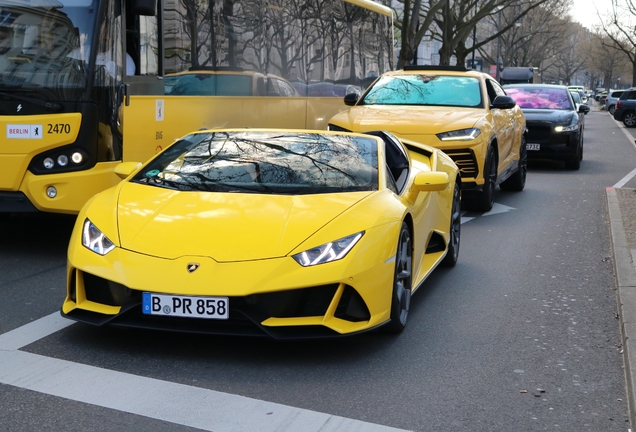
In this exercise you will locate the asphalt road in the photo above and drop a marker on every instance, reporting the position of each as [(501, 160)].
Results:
[(521, 335)]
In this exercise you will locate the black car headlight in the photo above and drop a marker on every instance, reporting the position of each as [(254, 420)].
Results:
[(569, 128), (460, 135), (95, 240), (334, 128), (328, 252)]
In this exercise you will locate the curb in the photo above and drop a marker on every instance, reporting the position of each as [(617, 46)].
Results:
[(626, 285)]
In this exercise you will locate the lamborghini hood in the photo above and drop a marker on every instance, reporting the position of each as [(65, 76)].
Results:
[(224, 226), (408, 120)]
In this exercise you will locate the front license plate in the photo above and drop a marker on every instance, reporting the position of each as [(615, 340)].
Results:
[(530, 146), (183, 306)]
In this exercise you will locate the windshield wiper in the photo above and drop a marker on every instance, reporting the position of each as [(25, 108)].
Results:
[(53, 107)]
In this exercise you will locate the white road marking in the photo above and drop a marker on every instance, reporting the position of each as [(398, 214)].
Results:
[(625, 179), (630, 138), (176, 403), (498, 208)]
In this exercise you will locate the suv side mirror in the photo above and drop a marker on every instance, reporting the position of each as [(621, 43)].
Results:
[(503, 102), (351, 99)]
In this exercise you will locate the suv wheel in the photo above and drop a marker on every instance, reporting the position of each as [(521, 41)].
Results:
[(517, 181), (483, 200), (629, 119), (611, 109)]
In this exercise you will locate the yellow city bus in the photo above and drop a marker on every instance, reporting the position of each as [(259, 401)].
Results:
[(86, 84)]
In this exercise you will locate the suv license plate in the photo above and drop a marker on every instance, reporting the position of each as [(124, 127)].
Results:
[(184, 306), (533, 146)]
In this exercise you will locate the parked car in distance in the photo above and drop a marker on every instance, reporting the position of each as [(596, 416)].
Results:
[(464, 113), (600, 96), (626, 108), (611, 99), (555, 129), (581, 90)]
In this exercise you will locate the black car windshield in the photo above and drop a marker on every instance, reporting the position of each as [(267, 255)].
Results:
[(269, 162), (541, 97), (422, 89)]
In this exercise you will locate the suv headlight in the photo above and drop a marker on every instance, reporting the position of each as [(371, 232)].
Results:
[(460, 135), (332, 251), (93, 239)]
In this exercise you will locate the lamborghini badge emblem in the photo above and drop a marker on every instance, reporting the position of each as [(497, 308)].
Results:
[(192, 267)]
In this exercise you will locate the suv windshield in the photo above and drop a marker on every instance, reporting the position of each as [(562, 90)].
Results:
[(41, 45), (423, 89), (266, 162)]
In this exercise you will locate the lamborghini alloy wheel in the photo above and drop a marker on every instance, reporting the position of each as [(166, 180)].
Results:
[(401, 298)]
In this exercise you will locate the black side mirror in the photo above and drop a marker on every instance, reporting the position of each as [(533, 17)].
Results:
[(503, 102), (584, 109), (351, 99)]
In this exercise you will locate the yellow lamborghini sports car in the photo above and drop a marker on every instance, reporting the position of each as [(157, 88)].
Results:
[(290, 234), (464, 113)]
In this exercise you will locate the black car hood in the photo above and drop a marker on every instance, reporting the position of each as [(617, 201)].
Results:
[(549, 115)]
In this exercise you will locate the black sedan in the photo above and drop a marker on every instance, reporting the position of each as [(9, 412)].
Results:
[(555, 125)]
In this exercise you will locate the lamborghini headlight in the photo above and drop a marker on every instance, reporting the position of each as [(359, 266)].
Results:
[(460, 135), (93, 239), (328, 252)]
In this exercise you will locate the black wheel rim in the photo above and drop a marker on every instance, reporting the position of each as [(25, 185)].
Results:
[(403, 276)]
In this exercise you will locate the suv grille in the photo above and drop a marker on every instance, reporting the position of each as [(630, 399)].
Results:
[(465, 161)]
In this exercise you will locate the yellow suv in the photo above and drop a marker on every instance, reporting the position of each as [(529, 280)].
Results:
[(464, 113)]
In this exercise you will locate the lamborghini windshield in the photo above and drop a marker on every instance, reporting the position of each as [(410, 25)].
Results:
[(266, 162), (423, 89), (42, 46)]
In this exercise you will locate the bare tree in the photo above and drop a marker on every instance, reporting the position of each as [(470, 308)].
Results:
[(414, 18), (619, 27)]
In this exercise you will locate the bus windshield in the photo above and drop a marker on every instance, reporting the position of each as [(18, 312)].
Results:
[(43, 46)]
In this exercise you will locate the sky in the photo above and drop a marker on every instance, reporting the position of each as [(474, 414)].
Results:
[(584, 11)]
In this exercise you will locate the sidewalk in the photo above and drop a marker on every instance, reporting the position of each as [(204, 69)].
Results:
[(621, 206)]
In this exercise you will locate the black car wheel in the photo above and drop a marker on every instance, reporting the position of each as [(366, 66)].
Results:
[(455, 229), (611, 109), (629, 119), (401, 297), (575, 162), (517, 181), (484, 200)]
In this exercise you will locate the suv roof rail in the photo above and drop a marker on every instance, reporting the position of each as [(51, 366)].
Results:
[(436, 67)]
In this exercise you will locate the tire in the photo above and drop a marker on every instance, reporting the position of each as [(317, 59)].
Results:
[(402, 282), (455, 229), (517, 181), (484, 199), (629, 119), (611, 109), (575, 163)]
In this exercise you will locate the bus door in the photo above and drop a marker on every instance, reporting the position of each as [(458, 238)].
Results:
[(141, 105)]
